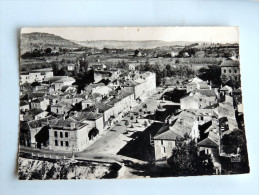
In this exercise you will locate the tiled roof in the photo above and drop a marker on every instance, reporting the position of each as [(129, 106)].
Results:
[(103, 107), (206, 92), (32, 95), (165, 133), (183, 125), (230, 63), (226, 88), (41, 122), (204, 86), (35, 111), (67, 123), (129, 84), (23, 103), (207, 142), (79, 116)]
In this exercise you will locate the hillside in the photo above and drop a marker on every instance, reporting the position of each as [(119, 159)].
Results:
[(100, 44), (31, 41)]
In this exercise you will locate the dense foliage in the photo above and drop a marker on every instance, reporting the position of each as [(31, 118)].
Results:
[(186, 161)]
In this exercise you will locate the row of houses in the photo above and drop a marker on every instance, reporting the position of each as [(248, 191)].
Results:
[(69, 121), (203, 117)]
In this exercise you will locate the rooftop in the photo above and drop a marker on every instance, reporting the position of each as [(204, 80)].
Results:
[(230, 63), (67, 124), (205, 92)]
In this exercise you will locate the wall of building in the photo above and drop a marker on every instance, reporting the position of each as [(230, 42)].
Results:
[(163, 149), (77, 139), (231, 73)]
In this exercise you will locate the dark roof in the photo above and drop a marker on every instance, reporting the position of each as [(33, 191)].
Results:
[(38, 100), (79, 116), (35, 111), (206, 92), (103, 106), (66, 124), (32, 95), (129, 84), (165, 133), (41, 122), (230, 63), (207, 142), (23, 103)]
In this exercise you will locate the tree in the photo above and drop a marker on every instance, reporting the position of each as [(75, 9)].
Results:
[(126, 124), (145, 107), (211, 73), (145, 124), (186, 161), (48, 51), (236, 139), (93, 133), (131, 118), (235, 143)]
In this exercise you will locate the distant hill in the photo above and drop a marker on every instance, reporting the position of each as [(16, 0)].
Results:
[(31, 41), (100, 44)]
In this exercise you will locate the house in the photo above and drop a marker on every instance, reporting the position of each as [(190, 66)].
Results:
[(101, 75), (174, 53), (178, 128), (230, 70), (64, 81), (211, 146), (35, 133), (40, 103), (107, 111), (68, 135), (132, 66), (93, 119), (37, 75), (71, 67), (57, 82), (226, 90), (34, 114), (197, 83), (78, 98), (61, 108), (24, 106), (87, 103), (103, 90), (198, 99), (142, 87)]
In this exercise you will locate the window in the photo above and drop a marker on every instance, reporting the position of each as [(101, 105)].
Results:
[(55, 134), (235, 70), (61, 143), (229, 71), (67, 143), (56, 142), (66, 134), (161, 142), (164, 150), (61, 134), (225, 71), (202, 118)]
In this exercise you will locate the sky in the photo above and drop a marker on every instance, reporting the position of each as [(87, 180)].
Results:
[(195, 34)]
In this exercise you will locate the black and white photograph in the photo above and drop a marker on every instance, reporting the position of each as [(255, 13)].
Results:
[(130, 102)]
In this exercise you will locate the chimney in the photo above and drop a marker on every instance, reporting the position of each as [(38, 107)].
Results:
[(72, 125), (75, 114), (169, 121), (181, 121)]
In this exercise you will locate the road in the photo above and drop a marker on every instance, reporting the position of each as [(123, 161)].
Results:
[(106, 147)]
